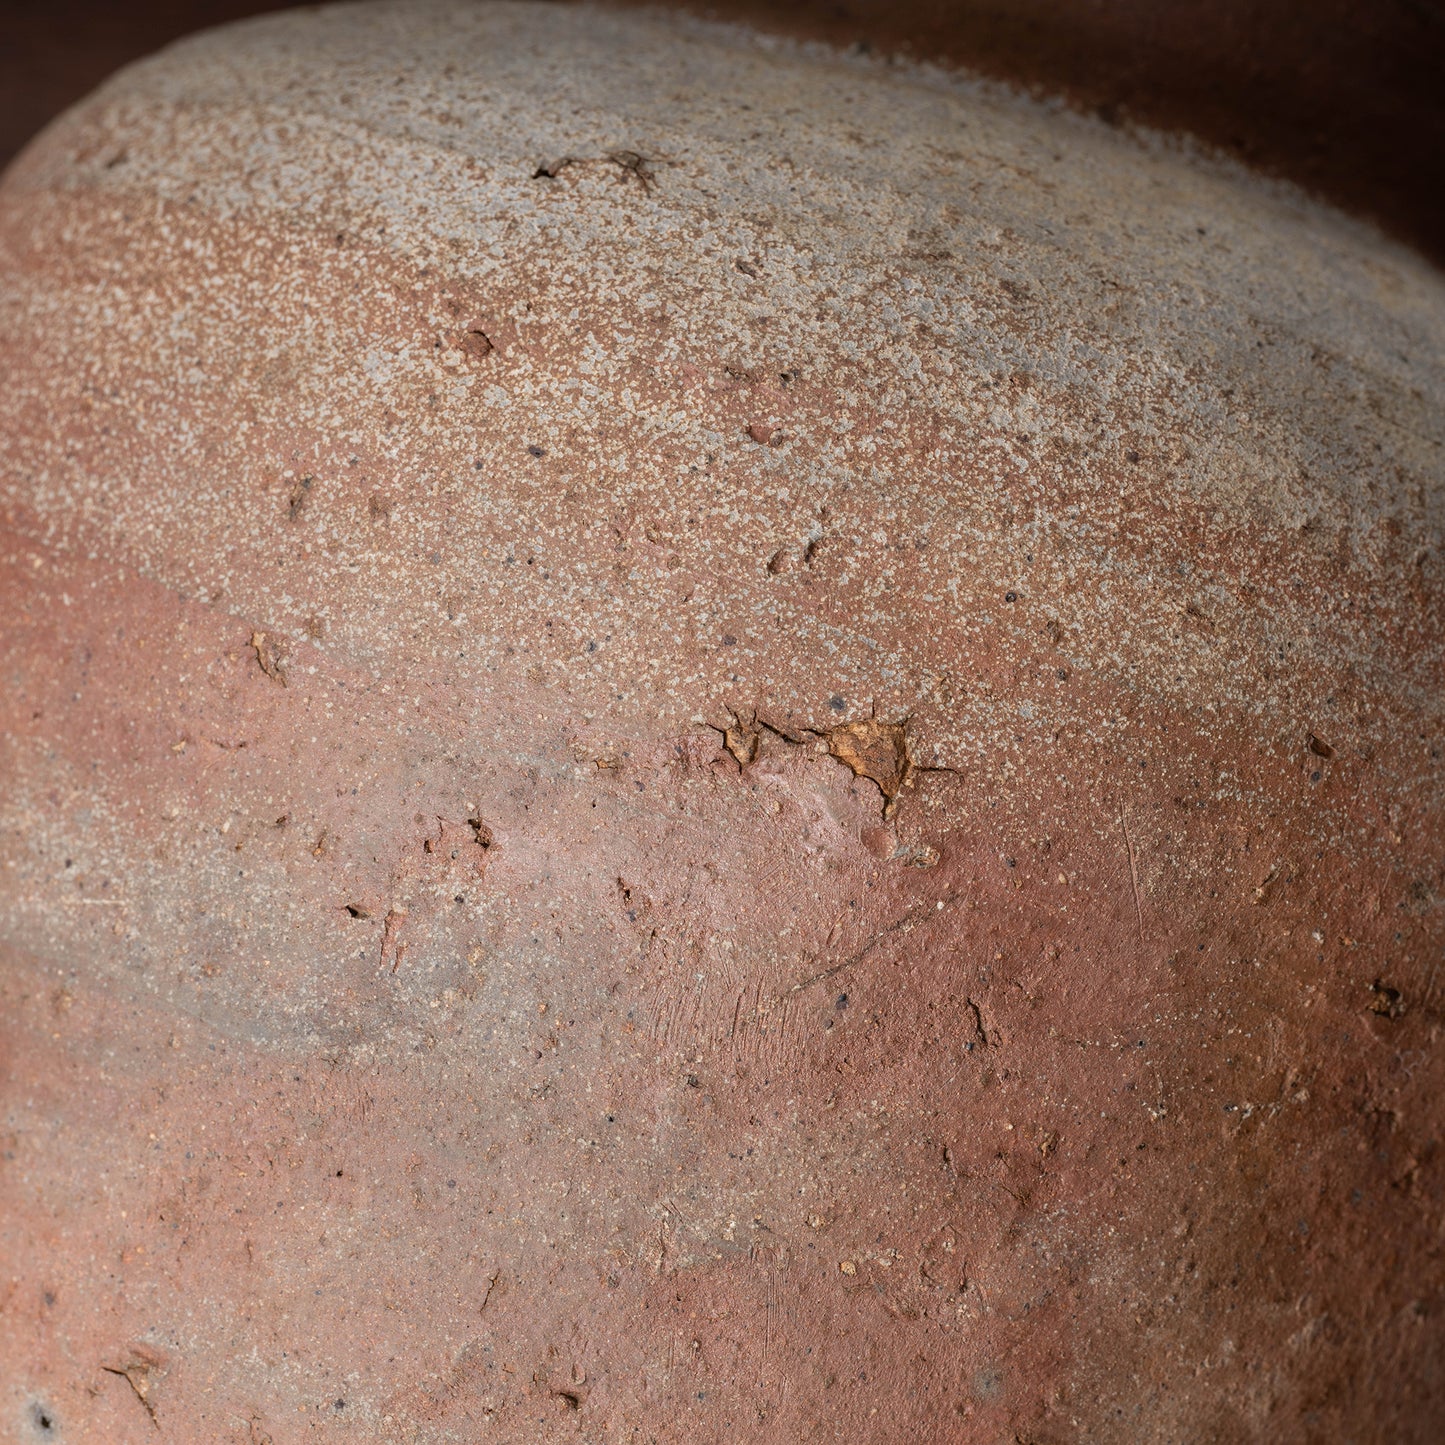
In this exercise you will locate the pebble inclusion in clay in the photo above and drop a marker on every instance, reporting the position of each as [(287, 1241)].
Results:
[(705, 741)]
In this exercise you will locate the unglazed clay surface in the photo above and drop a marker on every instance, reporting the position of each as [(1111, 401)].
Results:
[(706, 741)]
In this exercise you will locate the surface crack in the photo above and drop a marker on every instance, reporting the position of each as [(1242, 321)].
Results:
[(905, 924), (138, 1376), (869, 748)]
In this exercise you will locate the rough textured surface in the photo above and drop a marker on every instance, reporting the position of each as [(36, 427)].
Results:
[(1341, 96), (706, 742)]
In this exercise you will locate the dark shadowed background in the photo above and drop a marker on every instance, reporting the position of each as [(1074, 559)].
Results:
[(1345, 96)]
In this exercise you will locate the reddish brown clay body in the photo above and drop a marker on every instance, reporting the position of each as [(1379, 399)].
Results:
[(704, 741)]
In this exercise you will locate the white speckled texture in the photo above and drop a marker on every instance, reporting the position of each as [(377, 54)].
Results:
[(983, 306)]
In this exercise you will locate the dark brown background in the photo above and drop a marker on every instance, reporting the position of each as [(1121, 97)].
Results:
[(1346, 96)]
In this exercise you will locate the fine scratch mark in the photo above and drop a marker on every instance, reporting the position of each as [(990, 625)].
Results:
[(769, 1308), (1133, 875), (905, 924)]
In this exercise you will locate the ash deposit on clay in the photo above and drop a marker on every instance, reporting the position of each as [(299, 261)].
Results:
[(706, 740)]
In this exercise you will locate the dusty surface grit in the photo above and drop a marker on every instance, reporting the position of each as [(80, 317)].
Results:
[(705, 741)]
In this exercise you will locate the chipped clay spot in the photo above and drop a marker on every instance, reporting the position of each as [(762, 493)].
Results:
[(137, 1374), (299, 498), (477, 344), (871, 749), (742, 741), (874, 750), (271, 656)]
